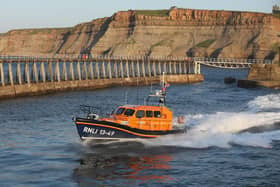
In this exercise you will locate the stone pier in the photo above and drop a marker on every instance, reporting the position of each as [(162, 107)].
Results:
[(262, 75), (34, 76)]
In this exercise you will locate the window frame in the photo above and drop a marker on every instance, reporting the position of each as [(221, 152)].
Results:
[(130, 114), (149, 116), (143, 115), (158, 113), (123, 109)]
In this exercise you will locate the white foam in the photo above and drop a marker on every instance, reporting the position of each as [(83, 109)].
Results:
[(222, 129), (227, 122), (256, 140), (261, 103)]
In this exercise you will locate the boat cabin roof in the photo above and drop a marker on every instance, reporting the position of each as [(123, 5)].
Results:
[(142, 111), (142, 107)]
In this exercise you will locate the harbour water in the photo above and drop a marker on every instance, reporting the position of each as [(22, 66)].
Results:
[(233, 139)]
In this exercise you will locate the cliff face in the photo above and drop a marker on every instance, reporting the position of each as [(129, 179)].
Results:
[(31, 41), (265, 72), (174, 32)]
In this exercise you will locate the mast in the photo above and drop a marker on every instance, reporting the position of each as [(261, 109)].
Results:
[(161, 94), (162, 97)]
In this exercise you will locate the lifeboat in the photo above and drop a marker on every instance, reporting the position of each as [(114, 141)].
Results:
[(129, 121)]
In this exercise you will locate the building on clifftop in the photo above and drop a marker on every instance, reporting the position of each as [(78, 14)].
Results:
[(275, 9)]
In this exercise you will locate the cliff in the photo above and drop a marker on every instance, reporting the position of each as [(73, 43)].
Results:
[(174, 32)]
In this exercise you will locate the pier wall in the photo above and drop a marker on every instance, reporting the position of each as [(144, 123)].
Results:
[(264, 75), (26, 77), (45, 88), (265, 72)]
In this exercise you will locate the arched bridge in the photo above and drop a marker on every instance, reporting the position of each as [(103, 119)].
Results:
[(230, 63)]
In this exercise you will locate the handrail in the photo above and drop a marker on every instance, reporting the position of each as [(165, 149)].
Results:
[(158, 58)]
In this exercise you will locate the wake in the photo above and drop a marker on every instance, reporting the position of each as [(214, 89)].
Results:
[(224, 129)]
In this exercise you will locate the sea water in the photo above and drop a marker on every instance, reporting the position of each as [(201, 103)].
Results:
[(233, 139)]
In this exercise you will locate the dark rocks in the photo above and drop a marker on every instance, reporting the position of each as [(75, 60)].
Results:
[(247, 84), (229, 80), (262, 75), (258, 83)]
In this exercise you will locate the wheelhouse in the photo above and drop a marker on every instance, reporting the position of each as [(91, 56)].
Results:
[(144, 117)]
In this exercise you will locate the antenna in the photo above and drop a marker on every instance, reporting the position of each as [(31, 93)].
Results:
[(137, 92), (162, 82)]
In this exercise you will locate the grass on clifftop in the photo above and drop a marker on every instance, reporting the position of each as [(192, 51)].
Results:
[(42, 30), (160, 13), (276, 15), (205, 44)]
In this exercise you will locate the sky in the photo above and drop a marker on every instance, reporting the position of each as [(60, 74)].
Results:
[(19, 14)]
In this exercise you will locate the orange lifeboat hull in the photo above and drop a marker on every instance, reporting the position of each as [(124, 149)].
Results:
[(102, 129)]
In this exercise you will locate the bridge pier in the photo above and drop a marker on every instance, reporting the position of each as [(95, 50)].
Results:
[(132, 69), (138, 68), (18, 73), (143, 69), (50, 71), (71, 70), (149, 67), (78, 68), (64, 71), (84, 71), (28, 72), (57, 72), (35, 72), (43, 73), (10, 70), (97, 70), (2, 74)]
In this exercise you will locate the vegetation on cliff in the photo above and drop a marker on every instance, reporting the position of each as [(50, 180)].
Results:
[(276, 15), (160, 13), (205, 43), (39, 30)]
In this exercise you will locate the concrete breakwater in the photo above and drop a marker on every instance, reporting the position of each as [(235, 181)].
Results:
[(264, 75), (33, 76)]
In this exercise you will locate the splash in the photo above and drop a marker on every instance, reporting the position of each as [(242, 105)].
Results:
[(223, 129), (263, 103)]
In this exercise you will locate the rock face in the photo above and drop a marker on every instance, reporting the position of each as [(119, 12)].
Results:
[(174, 32), (264, 72), (262, 75)]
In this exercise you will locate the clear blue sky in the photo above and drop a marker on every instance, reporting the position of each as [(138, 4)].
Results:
[(17, 14)]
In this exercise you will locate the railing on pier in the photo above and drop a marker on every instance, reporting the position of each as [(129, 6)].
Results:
[(51, 68), (26, 70), (230, 63)]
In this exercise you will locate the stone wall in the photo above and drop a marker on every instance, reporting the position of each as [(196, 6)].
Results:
[(264, 72), (51, 87), (262, 75)]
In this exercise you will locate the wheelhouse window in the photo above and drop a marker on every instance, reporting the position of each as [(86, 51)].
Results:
[(120, 111), (140, 113), (129, 112), (157, 114), (149, 114)]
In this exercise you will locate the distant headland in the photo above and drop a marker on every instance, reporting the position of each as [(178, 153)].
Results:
[(172, 32)]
